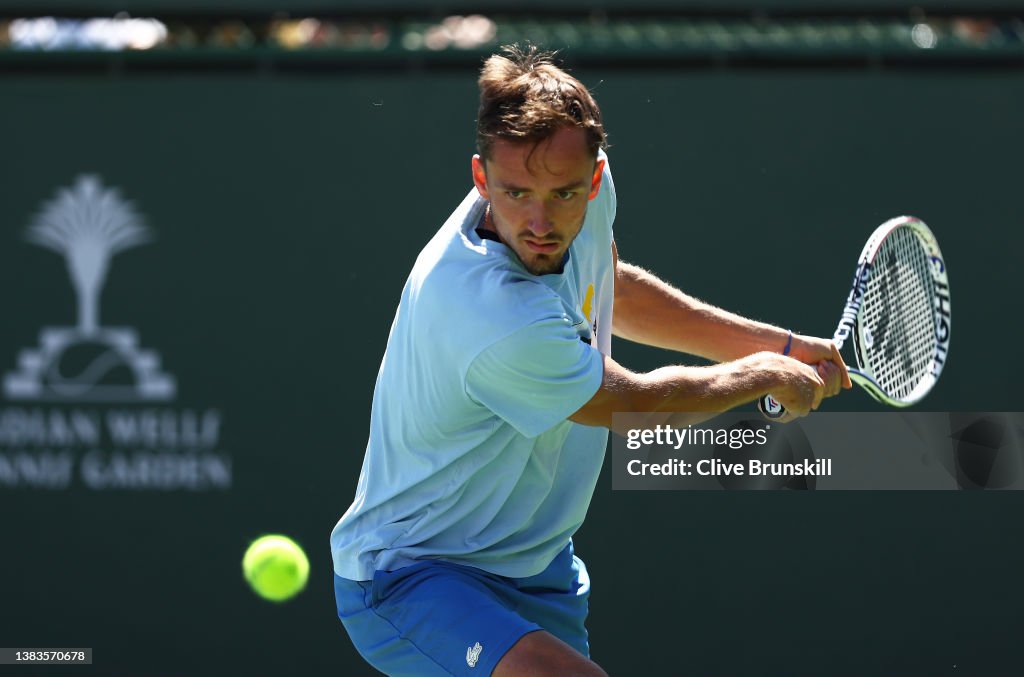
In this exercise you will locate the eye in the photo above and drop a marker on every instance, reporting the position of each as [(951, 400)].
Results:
[(565, 195), (515, 194)]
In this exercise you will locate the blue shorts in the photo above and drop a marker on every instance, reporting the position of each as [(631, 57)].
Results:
[(440, 618)]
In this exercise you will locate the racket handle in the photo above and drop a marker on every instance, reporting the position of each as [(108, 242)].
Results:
[(770, 407)]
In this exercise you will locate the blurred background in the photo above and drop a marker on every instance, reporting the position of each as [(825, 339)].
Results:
[(207, 212)]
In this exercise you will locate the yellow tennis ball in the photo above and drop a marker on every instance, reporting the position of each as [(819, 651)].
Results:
[(276, 567)]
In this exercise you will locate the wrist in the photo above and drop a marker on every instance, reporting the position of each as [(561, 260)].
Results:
[(789, 343)]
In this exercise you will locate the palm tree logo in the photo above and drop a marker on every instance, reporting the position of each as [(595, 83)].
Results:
[(88, 224)]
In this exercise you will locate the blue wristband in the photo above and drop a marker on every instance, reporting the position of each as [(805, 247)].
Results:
[(789, 343)]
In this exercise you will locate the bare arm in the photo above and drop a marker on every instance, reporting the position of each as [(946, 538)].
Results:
[(648, 310), (685, 395)]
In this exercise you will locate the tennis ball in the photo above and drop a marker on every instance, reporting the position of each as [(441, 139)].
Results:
[(276, 567)]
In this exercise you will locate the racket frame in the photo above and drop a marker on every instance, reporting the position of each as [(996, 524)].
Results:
[(851, 323)]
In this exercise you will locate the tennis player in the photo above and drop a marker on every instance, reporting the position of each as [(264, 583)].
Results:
[(493, 402)]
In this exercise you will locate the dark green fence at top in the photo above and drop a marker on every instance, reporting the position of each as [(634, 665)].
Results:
[(286, 212)]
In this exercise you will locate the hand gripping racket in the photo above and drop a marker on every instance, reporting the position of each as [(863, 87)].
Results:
[(897, 314)]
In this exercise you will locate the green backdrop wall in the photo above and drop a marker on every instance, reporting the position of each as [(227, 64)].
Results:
[(286, 212)]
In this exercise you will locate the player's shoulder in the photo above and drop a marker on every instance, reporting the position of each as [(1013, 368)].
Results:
[(461, 275), (470, 307), (488, 284)]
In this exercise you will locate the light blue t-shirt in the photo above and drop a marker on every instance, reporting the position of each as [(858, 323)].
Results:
[(470, 457)]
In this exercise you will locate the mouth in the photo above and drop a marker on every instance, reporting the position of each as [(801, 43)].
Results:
[(542, 247)]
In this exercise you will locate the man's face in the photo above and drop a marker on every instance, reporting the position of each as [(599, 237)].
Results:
[(539, 195)]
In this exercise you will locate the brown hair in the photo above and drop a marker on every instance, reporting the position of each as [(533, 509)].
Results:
[(525, 97)]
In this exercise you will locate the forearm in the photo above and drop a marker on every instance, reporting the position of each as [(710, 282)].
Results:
[(713, 389), (648, 310), (684, 395)]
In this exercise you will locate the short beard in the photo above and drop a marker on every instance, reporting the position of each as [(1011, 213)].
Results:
[(546, 267)]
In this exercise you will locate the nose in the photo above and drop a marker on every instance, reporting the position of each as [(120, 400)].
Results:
[(540, 224)]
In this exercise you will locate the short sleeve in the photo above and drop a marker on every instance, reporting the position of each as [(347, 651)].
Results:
[(536, 377)]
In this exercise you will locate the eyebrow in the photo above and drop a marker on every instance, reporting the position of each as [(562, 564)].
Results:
[(569, 186)]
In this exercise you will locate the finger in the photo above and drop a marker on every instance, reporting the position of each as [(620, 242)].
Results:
[(837, 360), (796, 408), (818, 394), (835, 380), (827, 375), (791, 415), (831, 375)]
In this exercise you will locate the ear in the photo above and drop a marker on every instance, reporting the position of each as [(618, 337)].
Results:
[(480, 177), (595, 182)]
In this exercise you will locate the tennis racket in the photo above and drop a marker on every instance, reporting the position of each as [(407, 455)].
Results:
[(897, 315)]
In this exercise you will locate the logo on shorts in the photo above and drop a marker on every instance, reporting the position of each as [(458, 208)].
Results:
[(473, 654)]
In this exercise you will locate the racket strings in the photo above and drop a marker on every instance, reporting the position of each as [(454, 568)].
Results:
[(898, 314)]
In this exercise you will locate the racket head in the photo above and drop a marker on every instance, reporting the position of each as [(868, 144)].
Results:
[(902, 321)]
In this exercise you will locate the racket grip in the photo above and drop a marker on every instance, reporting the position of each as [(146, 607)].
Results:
[(770, 407)]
